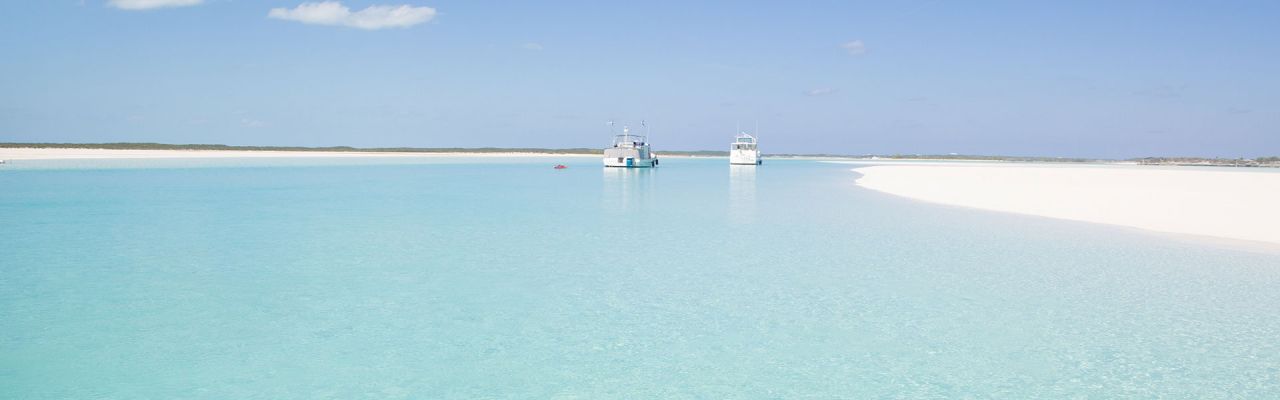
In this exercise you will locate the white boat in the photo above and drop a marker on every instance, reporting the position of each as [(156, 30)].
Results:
[(629, 151), (744, 150)]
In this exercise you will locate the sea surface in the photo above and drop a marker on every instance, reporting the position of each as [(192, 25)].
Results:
[(490, 278)]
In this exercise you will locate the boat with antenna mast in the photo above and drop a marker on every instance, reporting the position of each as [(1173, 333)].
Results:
[(745, 150), (630, 150)]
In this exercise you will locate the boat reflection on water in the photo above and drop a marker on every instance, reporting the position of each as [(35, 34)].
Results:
[(742, 193), (627, 189)]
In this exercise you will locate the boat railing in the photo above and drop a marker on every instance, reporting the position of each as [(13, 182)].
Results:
[(628, 141)]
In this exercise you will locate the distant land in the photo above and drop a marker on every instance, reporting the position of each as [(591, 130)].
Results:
[(1272, 161)]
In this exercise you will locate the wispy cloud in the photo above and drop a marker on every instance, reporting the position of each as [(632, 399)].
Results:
[(820, 92), (370, 18), (151, 4), (854, 47), (532, 46), (252, 123)]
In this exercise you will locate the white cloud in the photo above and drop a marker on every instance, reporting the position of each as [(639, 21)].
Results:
[(855, 47), (532, 46), (372, 17), (150, 4), (820, 91), (252, 123)]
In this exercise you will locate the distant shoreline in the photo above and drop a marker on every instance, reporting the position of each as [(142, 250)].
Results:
[(30, 151), (331, 149)]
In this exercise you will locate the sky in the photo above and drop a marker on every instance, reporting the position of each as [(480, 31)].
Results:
[(1069, 79)]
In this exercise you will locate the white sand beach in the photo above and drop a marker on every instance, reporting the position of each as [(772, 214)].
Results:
[(67, 154), (1227, 203)]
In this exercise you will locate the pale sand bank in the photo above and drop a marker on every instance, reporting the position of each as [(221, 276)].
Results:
[(1239, 204), (67, 154)]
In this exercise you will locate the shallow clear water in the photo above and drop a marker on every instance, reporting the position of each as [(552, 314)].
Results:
[(501, 278)]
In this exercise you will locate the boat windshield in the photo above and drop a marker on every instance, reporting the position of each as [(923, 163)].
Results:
[(628, 140)]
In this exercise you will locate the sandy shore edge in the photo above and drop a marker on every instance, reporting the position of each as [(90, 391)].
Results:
[(70, 154), (1230, 207)]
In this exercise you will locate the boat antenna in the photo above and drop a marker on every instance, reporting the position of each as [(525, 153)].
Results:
[(757, 132)]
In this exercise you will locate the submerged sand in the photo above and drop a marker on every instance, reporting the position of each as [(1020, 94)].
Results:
[(1228, 203)]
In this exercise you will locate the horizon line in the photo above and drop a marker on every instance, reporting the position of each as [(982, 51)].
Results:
[(567, 150)]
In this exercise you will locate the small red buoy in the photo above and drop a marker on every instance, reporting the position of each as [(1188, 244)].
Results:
[(561, 166)]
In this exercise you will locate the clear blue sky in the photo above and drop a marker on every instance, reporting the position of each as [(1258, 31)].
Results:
[(1100, 79)]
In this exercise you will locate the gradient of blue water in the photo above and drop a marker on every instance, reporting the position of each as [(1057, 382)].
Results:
[(488, 278)]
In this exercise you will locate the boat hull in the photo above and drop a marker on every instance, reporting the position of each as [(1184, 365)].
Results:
[(630, 157), (744, 157), (631, 162)]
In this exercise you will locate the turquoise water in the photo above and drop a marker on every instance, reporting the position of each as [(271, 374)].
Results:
[(492, 278)]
